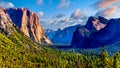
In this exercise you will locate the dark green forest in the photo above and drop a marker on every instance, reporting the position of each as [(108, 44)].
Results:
[(18, 51)]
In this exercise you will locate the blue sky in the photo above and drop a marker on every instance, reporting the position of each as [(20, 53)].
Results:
[(56, 14), (50, 7)]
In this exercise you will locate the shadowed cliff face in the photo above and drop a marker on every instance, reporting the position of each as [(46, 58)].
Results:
[(97, 32), (80, 36), (106, 36), (28, 23), (64, 36)]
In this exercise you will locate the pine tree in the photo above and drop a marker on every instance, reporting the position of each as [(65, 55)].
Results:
[(89, 63), (116, 62), (104, 59)]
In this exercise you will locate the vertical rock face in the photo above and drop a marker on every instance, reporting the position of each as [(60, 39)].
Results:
[(106, 36), (96, 24), (4, 18), (64, 36), (5, 22), (80, 36), (28, 23)]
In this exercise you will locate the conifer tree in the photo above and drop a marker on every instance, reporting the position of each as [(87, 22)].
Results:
[(104, 59), (116, 62)]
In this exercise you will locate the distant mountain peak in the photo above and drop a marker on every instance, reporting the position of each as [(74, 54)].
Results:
[(96, 24), (63, 36)]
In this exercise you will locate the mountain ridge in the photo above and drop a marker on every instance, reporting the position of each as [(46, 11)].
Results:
[(64, 36), (97, 38)]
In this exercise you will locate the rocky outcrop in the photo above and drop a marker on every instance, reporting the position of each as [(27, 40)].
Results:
[(96, 24), (5, 22), (106, 36), (80, 36), (92, 34), (28, 23)]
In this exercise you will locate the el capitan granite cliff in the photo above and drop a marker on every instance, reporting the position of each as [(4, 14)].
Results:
[(28, 23)]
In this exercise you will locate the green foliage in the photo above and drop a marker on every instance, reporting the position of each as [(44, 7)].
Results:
[(104, 60), (116, 62), (18, 51)]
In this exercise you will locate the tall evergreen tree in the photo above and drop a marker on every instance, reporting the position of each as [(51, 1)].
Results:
[(116, 62), (104, 59)]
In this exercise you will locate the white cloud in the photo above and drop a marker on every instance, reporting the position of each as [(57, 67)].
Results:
[(62, 21), (6, 4), (77, 14), (107, 8), (105, 3), (107, 12), (60, 15), (64, 4), (55, 23), (40, 2), (40, 14), (67, 20)]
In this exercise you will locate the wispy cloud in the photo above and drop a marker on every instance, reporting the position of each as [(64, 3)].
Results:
[(107, 12), (40, 14), (64, 4), (107, 8), (77, 14), (6, 4), (62, 21), (60, 15), (40, 2), (105, 3)]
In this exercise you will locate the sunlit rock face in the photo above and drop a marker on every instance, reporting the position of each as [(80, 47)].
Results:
[(96, 24), (4, 19), (6, 24), (28, 23), (97, 32)]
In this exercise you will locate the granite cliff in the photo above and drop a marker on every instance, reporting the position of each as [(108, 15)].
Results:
[(28, 23)]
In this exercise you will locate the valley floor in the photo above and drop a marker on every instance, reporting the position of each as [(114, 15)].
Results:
[(49, 58)]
